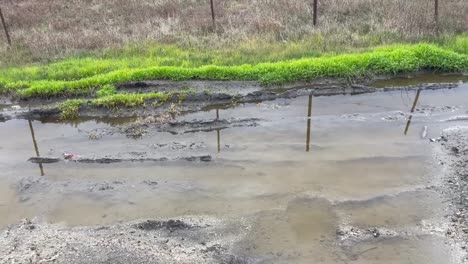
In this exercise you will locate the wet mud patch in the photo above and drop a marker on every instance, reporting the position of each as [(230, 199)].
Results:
[(34, 242), (405, 211), (305, 229), (216, 96), (81, 159), (453, 157), (349, 235), (171, 225), (457, 118), (424, 249), (3, 118), (179, 146), (194, 126), (151, 125)]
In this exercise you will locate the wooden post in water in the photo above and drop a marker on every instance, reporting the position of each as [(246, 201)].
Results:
[(315, 12), (7, 34), (213, 16)]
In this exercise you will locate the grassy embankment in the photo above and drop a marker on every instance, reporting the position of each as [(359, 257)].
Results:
[(95, 76)]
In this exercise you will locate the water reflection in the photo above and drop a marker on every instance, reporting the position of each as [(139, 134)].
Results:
[(309, 117), (418, 79), (36, 148), (218, 132), (415, 102)]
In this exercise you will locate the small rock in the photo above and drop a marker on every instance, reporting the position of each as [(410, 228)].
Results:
[(206, 158), (151, 183), (375, 233), (340, 232)]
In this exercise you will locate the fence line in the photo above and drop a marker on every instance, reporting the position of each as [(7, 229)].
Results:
[(315, 15)]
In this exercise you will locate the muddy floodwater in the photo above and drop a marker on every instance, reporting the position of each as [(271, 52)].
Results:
[(329, 179)]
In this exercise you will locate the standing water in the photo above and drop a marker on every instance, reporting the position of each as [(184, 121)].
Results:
[(337, 179)]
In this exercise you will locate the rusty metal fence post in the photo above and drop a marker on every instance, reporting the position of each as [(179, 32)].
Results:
[(315, 12), (5, 27)]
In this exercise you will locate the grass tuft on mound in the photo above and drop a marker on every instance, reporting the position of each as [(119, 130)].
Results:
[(70, 108)]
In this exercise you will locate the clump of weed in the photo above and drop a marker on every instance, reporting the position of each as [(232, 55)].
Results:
[(70, 108), (183, 94), (129, 100), (106, 90)]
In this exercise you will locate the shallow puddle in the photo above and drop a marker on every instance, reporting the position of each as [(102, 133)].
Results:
[(305, 168), (420, 78)]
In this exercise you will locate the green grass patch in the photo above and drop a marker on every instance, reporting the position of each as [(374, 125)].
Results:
[(70, 108), (89, 75), (106, 90), (129, 100)]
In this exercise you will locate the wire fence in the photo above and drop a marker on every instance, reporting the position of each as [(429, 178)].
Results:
[(157, 17)]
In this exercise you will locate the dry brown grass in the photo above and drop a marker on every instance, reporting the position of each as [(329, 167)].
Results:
[(43, 29)]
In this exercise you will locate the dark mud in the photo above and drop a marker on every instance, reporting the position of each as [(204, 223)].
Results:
[(213, 95), (143, 126), (47, 160), (171, 225), (162, 117)]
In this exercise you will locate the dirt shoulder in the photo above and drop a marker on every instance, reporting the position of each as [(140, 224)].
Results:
[(453, 157), (188, 240)]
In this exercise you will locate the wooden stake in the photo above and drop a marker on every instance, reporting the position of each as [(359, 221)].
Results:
[(315, 12), (5, 28), (213, 17), (436, 15)]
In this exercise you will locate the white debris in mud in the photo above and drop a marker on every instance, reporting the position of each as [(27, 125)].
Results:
[(353, 234), (453, 156), (186, 240), (354, 116)]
